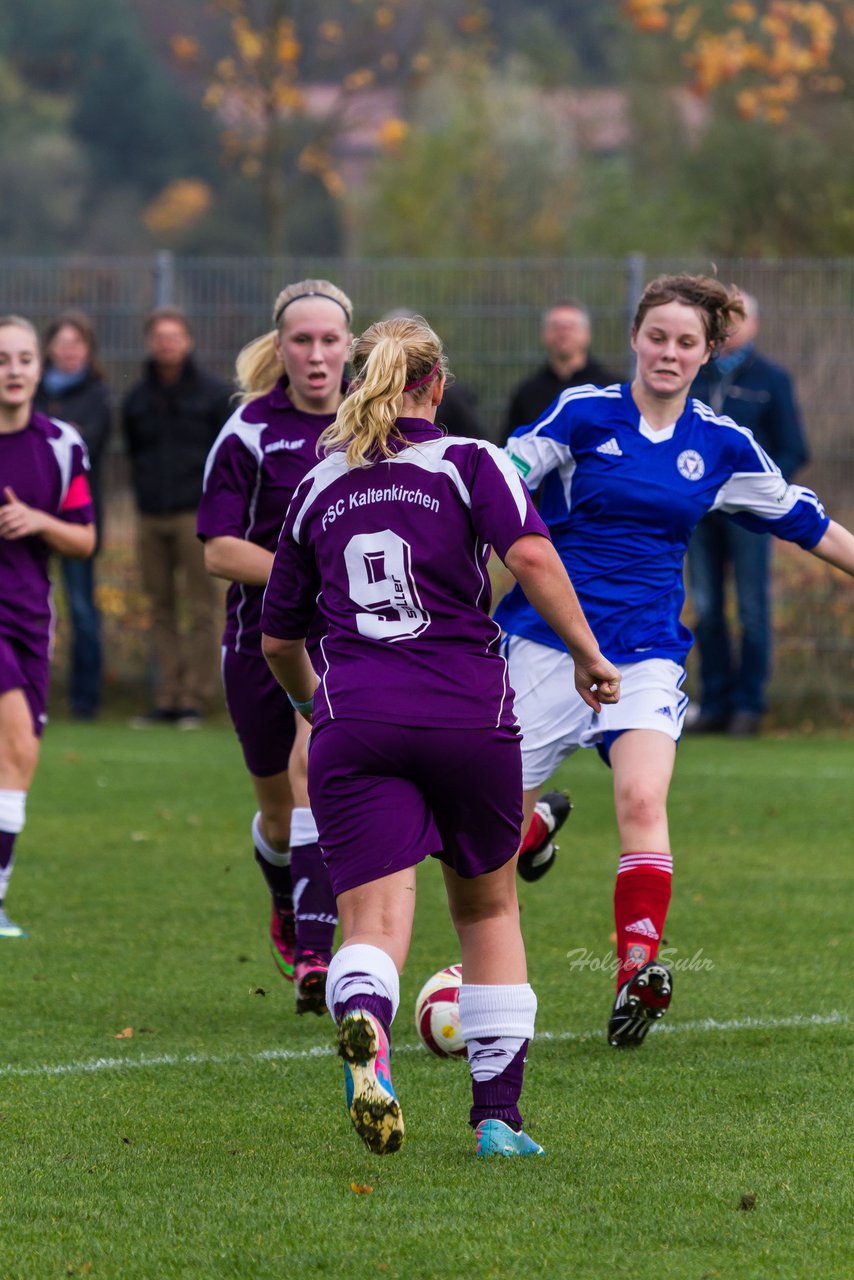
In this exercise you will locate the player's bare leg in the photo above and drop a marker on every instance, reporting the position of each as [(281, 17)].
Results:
[(497, 1006), (19, 754)]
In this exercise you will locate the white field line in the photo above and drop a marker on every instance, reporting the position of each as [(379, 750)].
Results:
[(703, 1026)]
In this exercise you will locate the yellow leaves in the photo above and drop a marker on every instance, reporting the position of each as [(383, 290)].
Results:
[(247, 40), (314, 159), (685, 23), (288, 47), (360, 1189), (392, 133), (361, 79), (287, 97), (126, 1034), (331, 31), (177, 207), (185, 49), (384, 17), (648, 15), (776, 49)]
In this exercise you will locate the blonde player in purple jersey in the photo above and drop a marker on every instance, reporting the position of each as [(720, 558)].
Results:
[(45, 507), (415, 747), (291, 384)]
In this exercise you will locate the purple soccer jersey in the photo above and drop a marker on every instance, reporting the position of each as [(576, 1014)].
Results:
[(252, 471), (394, 558), (45, 465)]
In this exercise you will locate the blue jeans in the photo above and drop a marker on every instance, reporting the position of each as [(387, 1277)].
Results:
[(728, 683), (84, 677)]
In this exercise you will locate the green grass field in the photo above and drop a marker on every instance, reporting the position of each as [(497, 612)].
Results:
[(213, 1141)]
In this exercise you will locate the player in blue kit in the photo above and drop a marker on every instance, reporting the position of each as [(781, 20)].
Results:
[(415, 748), (626, 472), (291, 384), (45, 507)]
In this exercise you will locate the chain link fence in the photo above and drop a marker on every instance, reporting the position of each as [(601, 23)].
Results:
[(488, 312)]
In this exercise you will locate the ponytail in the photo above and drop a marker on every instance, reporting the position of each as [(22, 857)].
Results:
[(391, 359)]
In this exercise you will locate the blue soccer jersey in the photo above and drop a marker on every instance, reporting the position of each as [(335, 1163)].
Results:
[(621, 501)]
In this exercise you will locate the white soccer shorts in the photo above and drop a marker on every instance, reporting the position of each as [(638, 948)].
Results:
[(554, 719)]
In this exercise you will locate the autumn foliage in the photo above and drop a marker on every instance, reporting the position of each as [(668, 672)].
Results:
[(773, 53)]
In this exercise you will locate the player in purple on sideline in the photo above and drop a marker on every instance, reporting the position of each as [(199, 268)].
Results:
[(415, 746), (627, 472), (45, 506), (291, 384)]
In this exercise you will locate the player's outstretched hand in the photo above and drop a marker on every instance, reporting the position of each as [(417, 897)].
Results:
[(598, 682)]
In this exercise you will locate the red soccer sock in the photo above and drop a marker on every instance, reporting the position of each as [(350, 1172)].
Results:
[(641, 899), (536, 835)]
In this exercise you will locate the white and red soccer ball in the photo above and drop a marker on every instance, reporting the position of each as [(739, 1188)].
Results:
[(437, 1013)]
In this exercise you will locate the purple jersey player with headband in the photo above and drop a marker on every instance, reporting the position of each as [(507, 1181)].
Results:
[(415, 747), (45, 506), (291, 385)]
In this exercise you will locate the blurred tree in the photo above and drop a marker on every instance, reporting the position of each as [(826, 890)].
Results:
[(773, 53), (484, 171), (737, 189), (278, 133), (101, 118)]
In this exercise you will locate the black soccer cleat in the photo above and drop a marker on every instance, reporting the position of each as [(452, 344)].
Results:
[(642, 1000), (554, 808)]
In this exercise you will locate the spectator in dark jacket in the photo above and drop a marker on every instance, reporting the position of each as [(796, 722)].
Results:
[(756, 393), (566, 336), (170, 420), (73, 389)]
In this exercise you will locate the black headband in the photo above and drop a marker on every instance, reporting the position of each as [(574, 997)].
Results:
[(311, 294)]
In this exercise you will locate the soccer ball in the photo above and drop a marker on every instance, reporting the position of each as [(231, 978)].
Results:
[(437, 1013)]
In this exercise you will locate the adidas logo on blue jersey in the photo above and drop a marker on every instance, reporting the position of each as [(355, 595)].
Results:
[(664, 711), (610, 447)]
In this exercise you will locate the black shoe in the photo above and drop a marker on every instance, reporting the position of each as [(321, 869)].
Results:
[(642, 1000), (554, 808), (744, 724)]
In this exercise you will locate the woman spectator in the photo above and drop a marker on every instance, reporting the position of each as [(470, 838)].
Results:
[(74, 389)]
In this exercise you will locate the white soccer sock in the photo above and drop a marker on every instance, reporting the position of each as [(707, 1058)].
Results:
[(303, 827), (275, 857), (362, 970), (13, 811), (13, 806), (504, 1015)]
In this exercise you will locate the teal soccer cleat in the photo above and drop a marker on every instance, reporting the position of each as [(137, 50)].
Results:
[(495, 1138), (8, 928)]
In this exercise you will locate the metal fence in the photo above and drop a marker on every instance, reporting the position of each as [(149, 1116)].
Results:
[(488, 313)]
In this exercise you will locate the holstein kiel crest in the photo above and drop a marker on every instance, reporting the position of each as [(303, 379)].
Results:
[(690, 464)]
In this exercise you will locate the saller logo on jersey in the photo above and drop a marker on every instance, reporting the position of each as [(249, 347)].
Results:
[(690, 464), (520, 464), (278, 445)]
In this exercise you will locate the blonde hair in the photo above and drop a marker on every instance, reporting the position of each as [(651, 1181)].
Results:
[(258, 368), (21, 322), (390, 359)]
